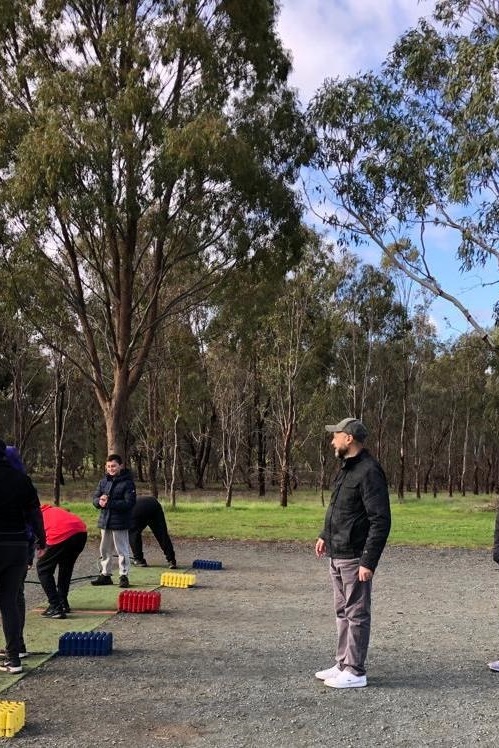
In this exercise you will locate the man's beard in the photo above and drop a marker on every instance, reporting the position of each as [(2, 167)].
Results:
[(341, 452)]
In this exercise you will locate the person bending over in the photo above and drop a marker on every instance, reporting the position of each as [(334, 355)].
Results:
[(66, 537), (148, 512)]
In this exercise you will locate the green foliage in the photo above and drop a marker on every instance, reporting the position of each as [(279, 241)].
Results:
[(416, 145), (440, 523), (146, 148)]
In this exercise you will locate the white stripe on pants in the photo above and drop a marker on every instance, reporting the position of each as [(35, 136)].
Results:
[(111, 540)]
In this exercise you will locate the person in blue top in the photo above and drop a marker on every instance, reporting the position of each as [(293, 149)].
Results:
[(115, 498)]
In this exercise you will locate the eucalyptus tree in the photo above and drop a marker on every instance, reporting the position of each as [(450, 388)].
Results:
[(300, 350), (146, 147), (409, 156), (231, 394), (26, 392)]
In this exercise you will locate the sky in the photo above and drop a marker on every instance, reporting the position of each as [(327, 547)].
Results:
[(330, 38)]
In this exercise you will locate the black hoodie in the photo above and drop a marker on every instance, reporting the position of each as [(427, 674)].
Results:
[(19, 506)]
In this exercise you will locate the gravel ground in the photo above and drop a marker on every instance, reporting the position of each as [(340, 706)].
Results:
[(231, 662)]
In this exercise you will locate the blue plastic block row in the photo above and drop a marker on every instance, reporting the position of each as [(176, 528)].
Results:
[(202, 564), (81, 643)]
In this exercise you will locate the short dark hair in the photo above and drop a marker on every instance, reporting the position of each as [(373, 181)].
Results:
[(114, 458)]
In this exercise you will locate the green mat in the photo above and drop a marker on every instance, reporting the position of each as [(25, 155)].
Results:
[(91, 608)]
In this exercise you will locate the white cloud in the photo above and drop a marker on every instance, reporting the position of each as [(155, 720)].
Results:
[(337, 38), (329, 38)]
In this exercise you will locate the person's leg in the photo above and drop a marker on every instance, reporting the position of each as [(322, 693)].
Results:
[(21, 607), (45, 568), (339, 610), (122, 546), (72, 547), (353, 616), (13, 563), (106, 552), (157, 523), (135, 539)]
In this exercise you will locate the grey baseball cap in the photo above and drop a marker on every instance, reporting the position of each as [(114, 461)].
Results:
[(351, 426)]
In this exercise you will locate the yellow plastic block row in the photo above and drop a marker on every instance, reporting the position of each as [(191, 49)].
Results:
[(12, 717), (170, 579)]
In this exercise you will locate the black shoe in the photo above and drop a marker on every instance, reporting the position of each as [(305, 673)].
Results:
[(102, 579), (11, 666), (65, 607), (54, 611), (139, 562), (124, 581), (22, 654), (172, 565)]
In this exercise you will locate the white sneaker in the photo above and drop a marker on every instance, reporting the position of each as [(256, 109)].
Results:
[(331, 672), (346, 679), (494, 666)]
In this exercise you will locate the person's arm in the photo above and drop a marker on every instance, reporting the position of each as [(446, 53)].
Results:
[(376, 501), (33, 515), (96, 497), (320, 547)]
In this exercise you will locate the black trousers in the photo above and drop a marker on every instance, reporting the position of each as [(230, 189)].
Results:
[(13, 566), (155, 520), (62, 555), (21, 607)]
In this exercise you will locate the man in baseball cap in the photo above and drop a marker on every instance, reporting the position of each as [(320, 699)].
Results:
[(351, 426), (355, 532)]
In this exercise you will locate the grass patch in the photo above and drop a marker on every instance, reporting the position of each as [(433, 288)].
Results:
[(464, 522)]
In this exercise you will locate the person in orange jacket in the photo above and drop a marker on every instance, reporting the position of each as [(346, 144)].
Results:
[(66, 537)]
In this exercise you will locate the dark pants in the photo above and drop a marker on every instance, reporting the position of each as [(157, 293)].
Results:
[(64, 556), (352, 605), (13, 565), (155, 519), (21, 607)]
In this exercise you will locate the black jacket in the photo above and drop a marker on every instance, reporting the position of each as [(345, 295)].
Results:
[(19, 506), (358, 519), (117, 514)]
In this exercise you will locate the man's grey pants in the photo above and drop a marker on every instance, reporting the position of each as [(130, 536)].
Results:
[(352, 605), (111, 540)]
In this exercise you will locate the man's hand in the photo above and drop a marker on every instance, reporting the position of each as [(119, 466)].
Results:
[(365, 574), (103, 500), (39, 552), (320, 548)]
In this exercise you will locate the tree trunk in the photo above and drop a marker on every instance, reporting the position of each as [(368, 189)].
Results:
[(152, 471), (228, 495), (283, 485), (450, 481), (400, 491), (465, 451), (116, 419), (488, 487), (322, 462), (153, 438), (59, 392), (286, 452), (261, 441), (173, 495)]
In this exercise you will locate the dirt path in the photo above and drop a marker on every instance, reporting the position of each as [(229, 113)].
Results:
[(230, 663)]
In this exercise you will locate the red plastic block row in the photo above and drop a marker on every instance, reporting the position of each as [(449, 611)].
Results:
[(137, 601)]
